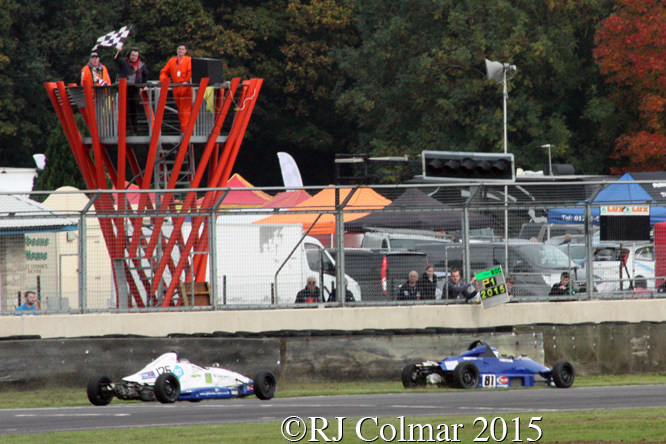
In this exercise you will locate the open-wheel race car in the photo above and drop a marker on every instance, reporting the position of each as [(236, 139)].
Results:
[(168, 379), (481, 366)]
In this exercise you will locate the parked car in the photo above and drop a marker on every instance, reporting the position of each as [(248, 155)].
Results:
[(625, 266), (535, 266), (380, 273), (575, 252), (396, 239), (544, 232)]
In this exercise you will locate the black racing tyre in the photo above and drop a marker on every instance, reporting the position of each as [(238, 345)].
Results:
[(412, 377), (96, 393), (563, 374), (466, 375), (265, 385), (167, 388)]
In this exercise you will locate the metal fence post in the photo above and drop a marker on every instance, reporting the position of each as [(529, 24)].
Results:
[(340, 289), (83, 258), (467, 263), (589, 238), (212, 257)]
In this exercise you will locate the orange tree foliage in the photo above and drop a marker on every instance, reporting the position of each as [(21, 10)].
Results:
[(631, 51)]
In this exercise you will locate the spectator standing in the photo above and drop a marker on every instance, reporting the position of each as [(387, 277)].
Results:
[(135, 71), (508, 283), (31, 302), (310, 293), (428, 283), (349, 296), (179, 68), (410, 290), (563, 287), (456, 290), (95, 72)]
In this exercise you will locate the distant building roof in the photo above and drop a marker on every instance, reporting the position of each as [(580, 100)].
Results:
[(17, 180), (19, 214)]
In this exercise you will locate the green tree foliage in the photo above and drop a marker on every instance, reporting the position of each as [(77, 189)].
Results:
[(420, 81), (163, 24), (13, 129), (380, 76), (288, 44)]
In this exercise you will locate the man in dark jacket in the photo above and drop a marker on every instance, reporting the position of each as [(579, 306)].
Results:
[(563, 287), (456, 290), (310, 293), (135, 71), (410, 290)]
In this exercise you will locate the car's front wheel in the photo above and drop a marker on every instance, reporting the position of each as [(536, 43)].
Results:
[(563, 374), (265, 385), (466, 375), (98, 393), (167, 388), (412, 377)]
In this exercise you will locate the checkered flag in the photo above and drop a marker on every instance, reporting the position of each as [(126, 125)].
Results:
[(113, 38)]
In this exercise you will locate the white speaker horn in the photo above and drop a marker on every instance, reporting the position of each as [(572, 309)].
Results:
[(495, 71)]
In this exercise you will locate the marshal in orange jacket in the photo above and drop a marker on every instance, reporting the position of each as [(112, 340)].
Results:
[(104, 79), (180, 71)]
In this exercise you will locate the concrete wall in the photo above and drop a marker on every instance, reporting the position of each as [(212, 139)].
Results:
[(352, 318), (614, 348), (71, 362)]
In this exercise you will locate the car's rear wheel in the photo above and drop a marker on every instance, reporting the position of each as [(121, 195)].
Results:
[(265, 385), (563, 374), (98, 393), (412, 377), (466, 375), (167, 388)]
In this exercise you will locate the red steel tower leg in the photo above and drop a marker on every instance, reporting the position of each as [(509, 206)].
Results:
[(99, 106)]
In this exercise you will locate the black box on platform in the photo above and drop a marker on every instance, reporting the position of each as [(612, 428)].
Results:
[(211, 68)]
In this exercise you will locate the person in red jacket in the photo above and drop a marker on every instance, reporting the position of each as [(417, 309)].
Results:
[(95, 72), (179, 68)]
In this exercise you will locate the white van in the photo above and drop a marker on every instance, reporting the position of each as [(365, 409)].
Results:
[(249, 255), (400, 239)]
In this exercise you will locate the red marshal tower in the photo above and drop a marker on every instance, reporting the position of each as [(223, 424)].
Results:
[(161, 242)]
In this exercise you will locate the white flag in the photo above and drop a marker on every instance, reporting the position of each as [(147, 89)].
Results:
[(113, 38), (290, 173)]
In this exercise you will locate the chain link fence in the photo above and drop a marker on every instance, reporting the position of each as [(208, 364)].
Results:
[(263, 248)]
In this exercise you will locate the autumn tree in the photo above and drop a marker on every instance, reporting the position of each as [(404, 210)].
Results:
[(631, 51)]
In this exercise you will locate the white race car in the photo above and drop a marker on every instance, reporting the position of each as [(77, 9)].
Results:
[(168, 379)]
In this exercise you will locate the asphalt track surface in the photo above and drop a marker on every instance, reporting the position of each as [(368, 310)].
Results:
[(486, 403)]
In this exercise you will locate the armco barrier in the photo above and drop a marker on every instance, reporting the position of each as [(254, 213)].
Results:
[(333, 355)]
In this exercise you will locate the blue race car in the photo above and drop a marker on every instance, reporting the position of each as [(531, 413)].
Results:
[(482, 367), (169, 379)]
